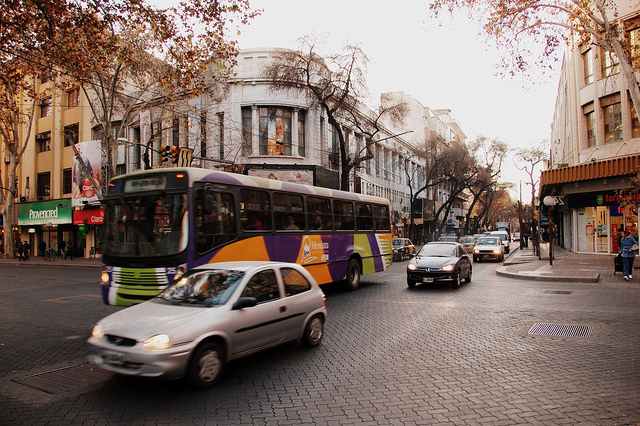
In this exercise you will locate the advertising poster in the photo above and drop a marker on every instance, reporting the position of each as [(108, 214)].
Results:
[(82, 191)]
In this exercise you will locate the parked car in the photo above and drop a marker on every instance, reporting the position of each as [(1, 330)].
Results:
[(488, 248), (402, 247), (440, 262), (504, 236), (209, 316), (468, 242), (516, 236)]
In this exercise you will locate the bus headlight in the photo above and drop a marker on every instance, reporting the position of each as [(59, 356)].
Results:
[(104, 277)]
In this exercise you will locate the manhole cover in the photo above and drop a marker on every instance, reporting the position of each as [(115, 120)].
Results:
[(566, 330), (65, 379)]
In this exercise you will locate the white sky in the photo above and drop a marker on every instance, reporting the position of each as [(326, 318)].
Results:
[(442, 64)]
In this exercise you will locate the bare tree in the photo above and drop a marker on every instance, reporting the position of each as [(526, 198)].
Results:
[(337, 84), (553, 22)]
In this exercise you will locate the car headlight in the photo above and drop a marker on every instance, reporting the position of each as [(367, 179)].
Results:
[(412, 267), (447, 268), (157, 343), (476, 251), (497, 251), (98, 332)]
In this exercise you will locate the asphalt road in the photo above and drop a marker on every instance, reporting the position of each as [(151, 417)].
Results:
[(391, 355)]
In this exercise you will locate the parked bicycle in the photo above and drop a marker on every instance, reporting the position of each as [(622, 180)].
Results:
[(49, 255)]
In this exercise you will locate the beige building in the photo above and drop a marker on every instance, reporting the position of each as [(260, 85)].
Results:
[(595, 146)]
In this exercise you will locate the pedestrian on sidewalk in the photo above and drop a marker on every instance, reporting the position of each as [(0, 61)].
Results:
[(25, 250), (69, 251), (19, 250), (42, 246), (627, 245)]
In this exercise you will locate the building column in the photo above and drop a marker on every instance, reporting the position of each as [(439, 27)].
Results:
[(255, 130), (294, 131)]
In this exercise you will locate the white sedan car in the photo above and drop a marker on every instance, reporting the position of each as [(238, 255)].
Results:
[(209, 316)]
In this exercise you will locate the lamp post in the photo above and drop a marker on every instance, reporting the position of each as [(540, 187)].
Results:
[(550, 201)]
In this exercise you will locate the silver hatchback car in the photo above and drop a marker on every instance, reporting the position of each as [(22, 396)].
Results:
[(209, 316)]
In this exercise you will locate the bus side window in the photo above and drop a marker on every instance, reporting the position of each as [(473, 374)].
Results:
[(381, 217), (288, 212), (255, 213), (343, 214), (364, 217), (215, 222), (319, 215)]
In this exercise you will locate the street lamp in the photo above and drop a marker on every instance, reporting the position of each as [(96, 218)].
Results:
[(550, 201)]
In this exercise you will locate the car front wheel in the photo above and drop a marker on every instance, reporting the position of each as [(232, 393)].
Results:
[(313, 332), (206, 365), (456, 280)]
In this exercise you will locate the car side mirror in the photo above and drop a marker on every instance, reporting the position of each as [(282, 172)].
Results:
[(245, 302)]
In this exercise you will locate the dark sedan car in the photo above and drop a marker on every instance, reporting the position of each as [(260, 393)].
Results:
[(440, 262)]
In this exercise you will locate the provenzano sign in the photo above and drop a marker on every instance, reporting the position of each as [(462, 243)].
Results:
[(54, 212)]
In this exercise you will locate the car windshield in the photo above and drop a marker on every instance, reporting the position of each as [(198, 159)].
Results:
[(439, 250), (447, 239), (398, 242), (489, 241), (203, 287), (467, 240), (147, 225)]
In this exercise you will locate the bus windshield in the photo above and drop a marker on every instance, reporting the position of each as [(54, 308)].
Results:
[(146, 224)]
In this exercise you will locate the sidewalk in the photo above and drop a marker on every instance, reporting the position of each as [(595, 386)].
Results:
[(77, 262), (567, 266)]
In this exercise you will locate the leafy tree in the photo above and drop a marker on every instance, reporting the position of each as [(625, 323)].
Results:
[(336, 83), (552, 22)]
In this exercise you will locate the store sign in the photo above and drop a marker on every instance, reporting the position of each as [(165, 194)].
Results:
[(54, 212), (88, 217)]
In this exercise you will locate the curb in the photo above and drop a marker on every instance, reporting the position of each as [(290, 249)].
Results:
[(518, 276)]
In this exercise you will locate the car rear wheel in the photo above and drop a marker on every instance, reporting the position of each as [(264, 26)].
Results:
[(313, 332), (353, 274), (206, 365)]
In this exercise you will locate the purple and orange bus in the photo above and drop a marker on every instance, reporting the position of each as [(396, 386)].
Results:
[(160, 223)]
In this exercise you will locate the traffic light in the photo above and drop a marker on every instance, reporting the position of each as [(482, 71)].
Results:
[(536, 215), (175, 153), (165, 152)]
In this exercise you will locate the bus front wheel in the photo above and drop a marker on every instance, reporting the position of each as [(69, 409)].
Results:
[(353, 274)]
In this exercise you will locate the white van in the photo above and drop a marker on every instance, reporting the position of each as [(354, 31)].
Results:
[(504, 236)]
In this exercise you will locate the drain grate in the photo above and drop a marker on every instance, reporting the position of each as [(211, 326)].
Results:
[(557, 292), (65, 379), (542, 329)]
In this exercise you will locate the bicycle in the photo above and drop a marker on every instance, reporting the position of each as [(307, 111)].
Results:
[(49, 255)]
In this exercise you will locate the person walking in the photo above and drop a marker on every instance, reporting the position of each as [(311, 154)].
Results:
[(42, 246), (61, 248), (628, 245), (69, 251), (25, 250), (19, 251)]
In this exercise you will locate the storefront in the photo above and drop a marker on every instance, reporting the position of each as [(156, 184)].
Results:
[(47, 221), (600, 218), (90, 228)]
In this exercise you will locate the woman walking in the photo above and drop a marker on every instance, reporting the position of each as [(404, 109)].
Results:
[(628, 244)]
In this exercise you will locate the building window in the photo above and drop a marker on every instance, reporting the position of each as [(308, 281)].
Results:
[(45, 107), (44, 184), (221, 135), (635, 124), (73, 97), (45, 77), (176, 132), (71, 134), (275, 131), (246, 131), (612, 114), (587, 61), (203, 134), (634, 46), (43, 142), (301, 138), (610, 63), (334, 155), (66, 181), (590, 116)]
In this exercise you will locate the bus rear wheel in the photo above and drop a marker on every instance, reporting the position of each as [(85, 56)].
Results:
[(353, 274)]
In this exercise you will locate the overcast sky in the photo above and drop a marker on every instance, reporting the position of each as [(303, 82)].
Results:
[(442, 64)]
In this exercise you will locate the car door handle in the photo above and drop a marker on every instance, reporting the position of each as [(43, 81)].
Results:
[(283, 308)]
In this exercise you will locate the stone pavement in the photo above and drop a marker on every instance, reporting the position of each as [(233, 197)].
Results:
[(77, 262), (567, 266)]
